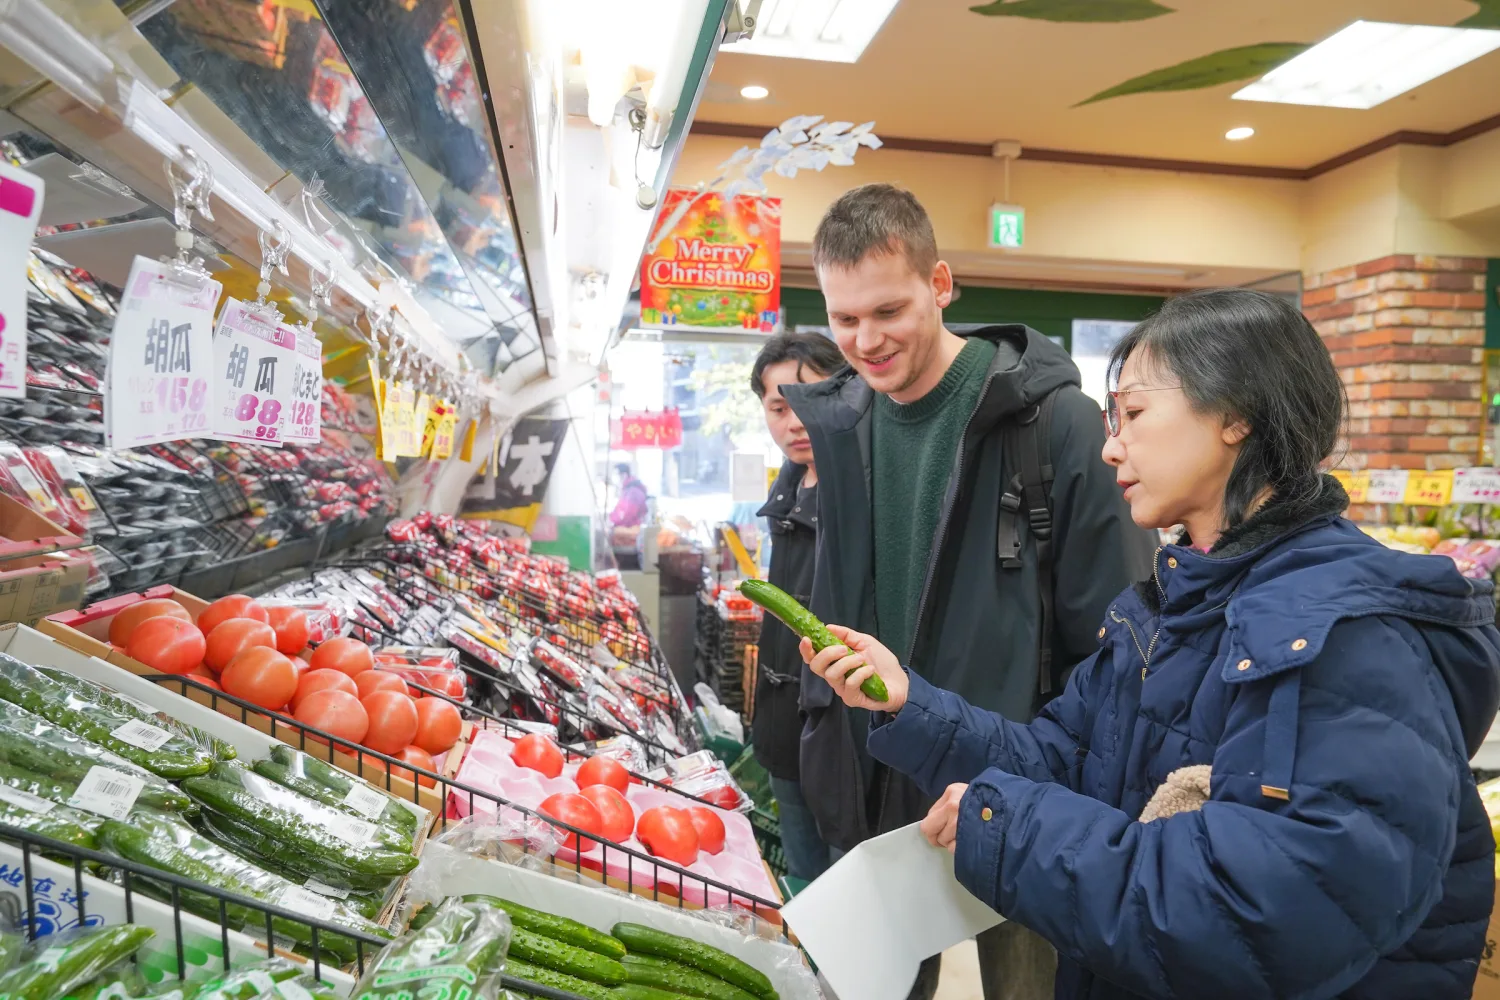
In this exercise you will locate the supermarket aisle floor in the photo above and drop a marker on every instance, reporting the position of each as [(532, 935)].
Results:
[(960, 979)]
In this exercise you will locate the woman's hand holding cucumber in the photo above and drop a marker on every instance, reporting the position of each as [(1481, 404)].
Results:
[(848, 666)]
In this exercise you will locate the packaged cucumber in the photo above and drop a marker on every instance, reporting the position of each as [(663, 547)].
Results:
[(35, 814), (123, 982), (273, 979), (52, 966), (643, 940), (159, 843), (349, 789), (363, 800), (301, 835), (555, 927), (458, 953), (127, 705)]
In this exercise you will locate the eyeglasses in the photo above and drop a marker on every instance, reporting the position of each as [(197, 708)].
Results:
[(1112, 406)]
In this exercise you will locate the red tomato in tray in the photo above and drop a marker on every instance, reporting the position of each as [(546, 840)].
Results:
[(724, 797), (370, 681), (233, 606), (438, 725), (393, 721), (375, 768), (576, 811), (167, 643), (291, 629), (311, 681), (125, 621), (710, 828), (668, 833), (261, 676), (349, 655), (603, 771), (538, 753), (232, 637), (614, 810), (334, 711), (417, 757)]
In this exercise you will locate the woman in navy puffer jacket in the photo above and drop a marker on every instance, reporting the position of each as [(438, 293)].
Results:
[(1259, 786)]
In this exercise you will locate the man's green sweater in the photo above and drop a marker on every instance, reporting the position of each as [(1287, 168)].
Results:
[(914, 446)]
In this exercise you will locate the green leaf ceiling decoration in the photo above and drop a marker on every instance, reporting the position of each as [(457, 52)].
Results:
[(1094, 11), (1227, 66), (1487, 17)]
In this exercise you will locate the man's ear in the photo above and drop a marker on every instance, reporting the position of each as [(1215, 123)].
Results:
[(942, 284)]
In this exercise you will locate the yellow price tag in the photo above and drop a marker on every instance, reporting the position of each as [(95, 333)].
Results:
[(466, 451), (1429, 489), (442, 441), (422, 425), (82, 498), (1358, 487)]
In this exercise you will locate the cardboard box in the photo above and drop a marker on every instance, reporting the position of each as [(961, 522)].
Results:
[(87, 631), (31, 585)]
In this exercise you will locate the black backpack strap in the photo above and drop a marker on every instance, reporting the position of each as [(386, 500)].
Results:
[(1028, 495)]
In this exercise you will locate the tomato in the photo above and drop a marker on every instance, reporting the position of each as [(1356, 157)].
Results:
[(417, 757), (393, 721), (261, 676), (538, 753), (125, 620), (438, 725), (167, 643), (322, 680), (370, 681), (207, 682), (336, 712), (614, 810), (233, 606), (233, 635), (668, 833), (603, 771), (725, 797), (291, 629), (710, 828), (342, 653), (453, 685), (576, 811)]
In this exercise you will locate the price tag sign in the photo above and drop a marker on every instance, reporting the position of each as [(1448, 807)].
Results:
[(25, 800), (447, 426), (355, 831), (1387, 486), (107, 792), (332, 892), (142, 735), (306, 902), (306, 426), (401, 401), (365, 800), (1429, 489), (421, 425), (20, 207), (1476, 486), (160, 356), (254, 358)]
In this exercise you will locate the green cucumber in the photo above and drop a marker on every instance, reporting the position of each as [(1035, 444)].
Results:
[(558, 928), (806, 624), (538, 949), (311, 809), (61, 790), (260, 980), (28, 687), (458, 953), (526, 972), (642, 940), (635, 991), (11, 948), (648, 970), (71, 826), (123, 982), (340, 782), (308, 846), (115, 701), (62, 961), (305, 786)]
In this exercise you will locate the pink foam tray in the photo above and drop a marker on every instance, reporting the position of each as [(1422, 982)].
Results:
[(488, 767)]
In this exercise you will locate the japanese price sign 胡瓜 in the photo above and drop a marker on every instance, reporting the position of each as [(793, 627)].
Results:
[(306, 425), (254, 358), (160, 356)]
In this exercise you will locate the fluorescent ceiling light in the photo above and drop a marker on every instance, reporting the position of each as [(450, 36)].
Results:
[(754, 92), (1236, 134), (826, 30), (1370, 62)]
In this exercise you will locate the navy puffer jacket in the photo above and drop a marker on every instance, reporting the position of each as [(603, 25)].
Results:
[(1337, 688)]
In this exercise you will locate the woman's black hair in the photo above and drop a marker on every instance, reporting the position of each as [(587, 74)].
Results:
[(809, 350), (1250, 356)]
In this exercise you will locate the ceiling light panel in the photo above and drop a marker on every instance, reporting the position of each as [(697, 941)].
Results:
[(1370, 62), (825, 30)]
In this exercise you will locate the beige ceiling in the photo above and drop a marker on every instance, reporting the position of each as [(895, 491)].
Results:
[(938, 71)]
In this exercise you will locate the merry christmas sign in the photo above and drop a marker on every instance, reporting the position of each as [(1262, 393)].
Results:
[(717, 267)]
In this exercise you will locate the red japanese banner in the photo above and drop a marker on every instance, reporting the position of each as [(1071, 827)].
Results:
[(717, 266), (646, 429)]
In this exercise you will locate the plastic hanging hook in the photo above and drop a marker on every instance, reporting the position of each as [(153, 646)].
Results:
[(190, 193), (272, 258)]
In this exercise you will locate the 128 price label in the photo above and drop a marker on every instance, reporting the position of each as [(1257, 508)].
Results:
[(307, 391)]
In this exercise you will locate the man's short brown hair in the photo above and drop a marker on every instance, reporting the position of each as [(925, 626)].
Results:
[(875, 219)]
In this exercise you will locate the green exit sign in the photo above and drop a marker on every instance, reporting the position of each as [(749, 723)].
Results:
[(1007, 226)]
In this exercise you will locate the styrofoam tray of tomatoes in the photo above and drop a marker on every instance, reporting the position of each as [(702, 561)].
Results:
[(489, 766)]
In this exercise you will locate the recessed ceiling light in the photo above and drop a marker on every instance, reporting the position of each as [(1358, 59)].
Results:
[(1370, 62), (826, 30), (1236, 134), (754, 92)]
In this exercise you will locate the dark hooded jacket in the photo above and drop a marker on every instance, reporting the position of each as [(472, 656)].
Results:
[(1336, 689), (977, 633)]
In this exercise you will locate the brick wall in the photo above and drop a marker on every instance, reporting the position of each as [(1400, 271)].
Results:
[(1407, 335)]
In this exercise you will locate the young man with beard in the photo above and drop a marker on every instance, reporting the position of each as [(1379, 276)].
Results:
[(968, 522)]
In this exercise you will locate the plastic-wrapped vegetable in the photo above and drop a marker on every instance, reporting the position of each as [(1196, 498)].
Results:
[(34, 814), (462, 947), (123, 982), (274, 977), (296, 833), (42, 758), (159, 843), (126, 705), (151, 747), (52, 966), (300, 773)]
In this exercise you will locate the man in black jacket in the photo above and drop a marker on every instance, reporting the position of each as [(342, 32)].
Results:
[(792, 509), (925, 541)]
